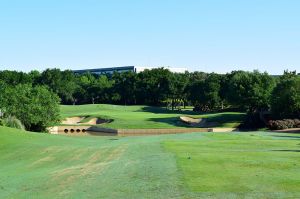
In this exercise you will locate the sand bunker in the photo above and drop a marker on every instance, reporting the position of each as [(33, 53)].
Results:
[(198, 122), (78, 121), (72, 120), (190, 120), (193, 121)]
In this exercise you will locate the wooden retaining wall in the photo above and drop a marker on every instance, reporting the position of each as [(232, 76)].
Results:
[(81, 130), (94, 130)]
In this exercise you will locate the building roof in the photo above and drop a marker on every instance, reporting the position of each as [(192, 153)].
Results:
[(104, 70)]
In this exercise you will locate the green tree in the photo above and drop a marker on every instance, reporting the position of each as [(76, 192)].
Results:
[(125, 86), (99, 89), (36, 107), (251, 90), (14, 78), (178, 84), (63, 83), (204, 93), (285, 101), (154, 86)]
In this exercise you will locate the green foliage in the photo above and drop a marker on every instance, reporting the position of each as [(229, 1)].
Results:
[(125, 84), (36, 107), (205, 94), (178, 85), (98, 89), (285, 101), (154, 86), (250, 90), (243, 91), (12, 122), (14, 78), (60, 82)]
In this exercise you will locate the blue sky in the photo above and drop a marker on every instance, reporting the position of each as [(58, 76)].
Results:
[(205, 35)]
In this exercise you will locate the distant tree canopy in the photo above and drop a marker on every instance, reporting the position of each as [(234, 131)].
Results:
[(250, 91), (204, 93)]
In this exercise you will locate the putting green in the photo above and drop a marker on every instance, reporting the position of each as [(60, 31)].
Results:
[(146, 117)]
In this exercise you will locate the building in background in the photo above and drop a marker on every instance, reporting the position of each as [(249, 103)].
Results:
[(136, 69)]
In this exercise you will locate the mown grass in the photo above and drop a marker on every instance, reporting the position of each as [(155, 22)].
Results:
[(197, 165), (36, 165), (240, 165), (136, 117)]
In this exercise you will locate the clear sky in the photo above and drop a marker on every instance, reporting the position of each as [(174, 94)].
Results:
[(205, 35)]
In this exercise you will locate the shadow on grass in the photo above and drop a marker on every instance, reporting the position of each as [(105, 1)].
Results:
[(286, 136), (219, 120), (226, 117), (287, 150), (174, 121), (161, 110)]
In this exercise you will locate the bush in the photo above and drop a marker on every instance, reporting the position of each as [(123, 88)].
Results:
[(13, 122), (36, 107), (284, 124)]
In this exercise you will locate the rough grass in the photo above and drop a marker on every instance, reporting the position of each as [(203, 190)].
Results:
[(142, 117), (197, 165)]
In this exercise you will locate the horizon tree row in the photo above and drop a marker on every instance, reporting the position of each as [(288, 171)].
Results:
[(254, 92)]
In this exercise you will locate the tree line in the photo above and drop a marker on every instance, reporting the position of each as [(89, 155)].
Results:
[(254, 92)]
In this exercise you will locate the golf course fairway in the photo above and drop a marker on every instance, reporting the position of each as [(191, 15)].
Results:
[(195, 165)]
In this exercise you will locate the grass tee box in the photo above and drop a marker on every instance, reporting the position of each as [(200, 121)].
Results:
[(145, 117)]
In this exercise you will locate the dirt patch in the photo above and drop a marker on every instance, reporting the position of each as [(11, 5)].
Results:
[(79, 153), (95, 165), (42, 160)]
